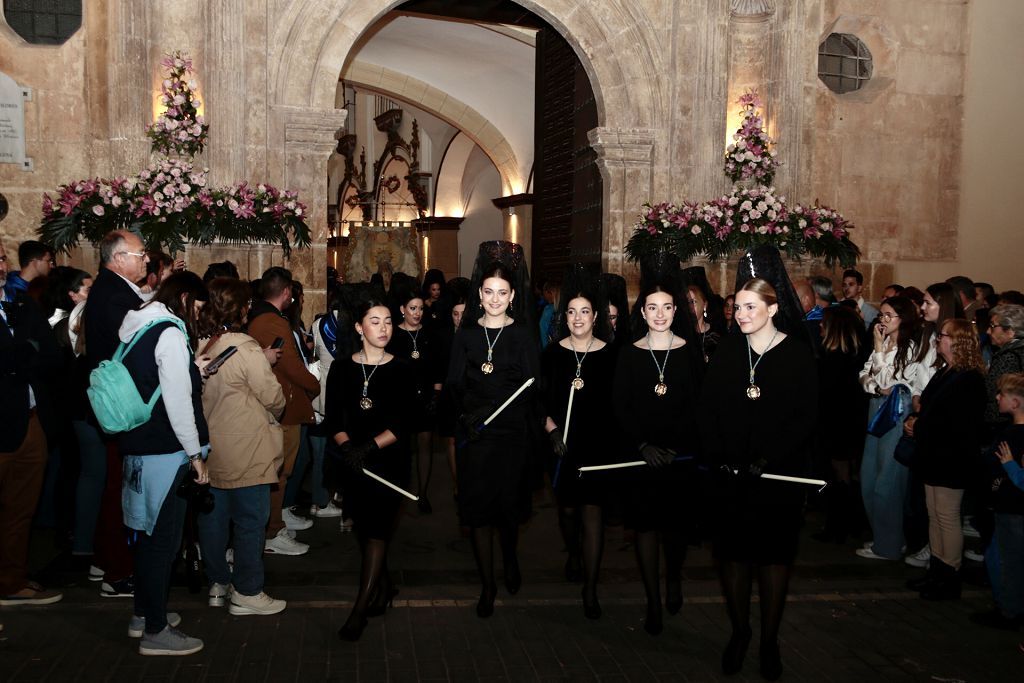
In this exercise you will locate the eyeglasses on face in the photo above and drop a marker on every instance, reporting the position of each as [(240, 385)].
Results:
[(140, 254), (994, 325), (889, 316)]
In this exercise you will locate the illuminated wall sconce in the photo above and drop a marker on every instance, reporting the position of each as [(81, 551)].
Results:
[(511, 211)]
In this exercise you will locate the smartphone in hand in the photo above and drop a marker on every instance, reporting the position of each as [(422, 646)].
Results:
[(278, 343)]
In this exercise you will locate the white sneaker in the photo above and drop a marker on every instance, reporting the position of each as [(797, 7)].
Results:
[(229, 556), (282, 544), (331, 510), (920, 558), (973, 556), (255, 604), (95, 573), (867, 545), (218, 593), (968, 530), (346, 525), (869, 554), (293, 521)]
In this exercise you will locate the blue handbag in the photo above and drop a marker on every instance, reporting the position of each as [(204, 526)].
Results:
[(890, 412)]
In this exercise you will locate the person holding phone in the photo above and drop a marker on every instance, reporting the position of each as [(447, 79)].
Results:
[(241, 402)]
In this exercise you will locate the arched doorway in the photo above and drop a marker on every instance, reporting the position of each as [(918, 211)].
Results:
[(618, 52)]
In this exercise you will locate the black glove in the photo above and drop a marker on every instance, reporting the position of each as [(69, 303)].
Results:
[(557, 442), (354, 454), (472, 421), (756, 468), (431, 406), (656, 456)]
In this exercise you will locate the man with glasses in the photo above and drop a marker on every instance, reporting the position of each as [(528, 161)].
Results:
[(36, 260), (123, 262)]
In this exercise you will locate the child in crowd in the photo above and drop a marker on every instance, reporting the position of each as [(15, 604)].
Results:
[(1008, 502)]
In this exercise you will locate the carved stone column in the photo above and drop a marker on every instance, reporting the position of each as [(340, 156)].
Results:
[(129, 83), (222, 79), (307, 139), (626, 159), (749, 36)]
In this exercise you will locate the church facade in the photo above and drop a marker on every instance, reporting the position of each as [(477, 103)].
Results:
[(904, 150)]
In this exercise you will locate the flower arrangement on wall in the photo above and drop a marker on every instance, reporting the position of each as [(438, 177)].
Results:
[(746, 217), (169, 204), (180, 128)]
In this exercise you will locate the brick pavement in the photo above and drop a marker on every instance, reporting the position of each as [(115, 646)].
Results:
[(848, 620)]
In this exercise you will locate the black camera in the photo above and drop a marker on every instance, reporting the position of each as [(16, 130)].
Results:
[(198, 494)]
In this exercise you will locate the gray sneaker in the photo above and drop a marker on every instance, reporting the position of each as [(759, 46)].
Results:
[(137, 626), (170, 641)]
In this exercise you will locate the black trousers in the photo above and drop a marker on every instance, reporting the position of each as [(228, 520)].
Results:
[(154, 557)]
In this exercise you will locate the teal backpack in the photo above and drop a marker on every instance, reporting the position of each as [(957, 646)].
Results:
[(112, 392)]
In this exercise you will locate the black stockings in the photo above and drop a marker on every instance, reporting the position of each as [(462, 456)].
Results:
[(424, 461), (483, 553), (772, 583), (569, 525), (373, 577), (646, 544)]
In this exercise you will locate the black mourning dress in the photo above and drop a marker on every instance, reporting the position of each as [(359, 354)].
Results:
[(373, 506), (662, 498), (427, 367), (589, 441), (491, 470), (446, 414), (758, 520)]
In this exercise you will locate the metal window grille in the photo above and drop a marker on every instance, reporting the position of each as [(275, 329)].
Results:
[(844, 63)]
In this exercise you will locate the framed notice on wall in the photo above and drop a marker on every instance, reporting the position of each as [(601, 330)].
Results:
[(12, 122)]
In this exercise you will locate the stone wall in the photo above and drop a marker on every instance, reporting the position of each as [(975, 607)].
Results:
[(665, 75)]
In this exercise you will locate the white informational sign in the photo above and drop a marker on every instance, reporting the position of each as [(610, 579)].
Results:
[(12, 122)]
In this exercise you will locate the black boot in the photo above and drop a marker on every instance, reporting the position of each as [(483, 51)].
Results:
[(930, 576), (946, 586)]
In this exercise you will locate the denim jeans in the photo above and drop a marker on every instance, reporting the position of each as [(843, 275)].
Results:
[(310, 448), (883, 484), (154, 557), (1010, 540), (247, 509), (92, 477)]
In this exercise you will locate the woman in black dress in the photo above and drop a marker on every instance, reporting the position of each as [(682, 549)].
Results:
[(493, 354), (370, 403), (840, 435), (758, 414), (581, 363), (655, 397), (417, 343)]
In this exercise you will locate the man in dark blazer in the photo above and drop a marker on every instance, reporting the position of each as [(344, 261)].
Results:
[(28, 357), (114, 292)]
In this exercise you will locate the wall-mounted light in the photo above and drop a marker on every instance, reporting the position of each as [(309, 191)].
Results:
[(511, 211)]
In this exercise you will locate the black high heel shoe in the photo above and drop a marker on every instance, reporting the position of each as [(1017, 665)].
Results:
[(513, 579), (653, 623), (735, 651), (352, 630), (381, 605), (591, 607), (485, 606), (771, 662)]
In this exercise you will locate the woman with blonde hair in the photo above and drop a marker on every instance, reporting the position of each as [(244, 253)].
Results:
[(947, 436)]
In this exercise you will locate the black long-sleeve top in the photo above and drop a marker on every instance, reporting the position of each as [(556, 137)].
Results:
[(949, 429)]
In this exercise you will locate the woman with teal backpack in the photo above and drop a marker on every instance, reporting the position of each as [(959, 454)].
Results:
[(161, 455)]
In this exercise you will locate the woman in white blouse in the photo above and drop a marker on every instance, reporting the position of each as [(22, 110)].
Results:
[(894, 361)]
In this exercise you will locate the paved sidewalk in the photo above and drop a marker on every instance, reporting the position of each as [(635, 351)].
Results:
[(848, 620)]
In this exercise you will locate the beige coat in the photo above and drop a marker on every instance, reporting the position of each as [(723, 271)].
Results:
[(241, 402)]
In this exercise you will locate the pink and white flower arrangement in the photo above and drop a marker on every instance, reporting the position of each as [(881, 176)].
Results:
[(750, 156), (180, 128)]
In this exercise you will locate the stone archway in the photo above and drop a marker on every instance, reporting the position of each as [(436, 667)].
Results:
[(615, 40)]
